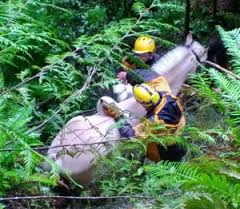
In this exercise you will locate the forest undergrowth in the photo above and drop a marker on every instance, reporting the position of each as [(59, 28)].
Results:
[(57, 58)]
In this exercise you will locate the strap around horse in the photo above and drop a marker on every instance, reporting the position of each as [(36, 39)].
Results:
[(194, 53)]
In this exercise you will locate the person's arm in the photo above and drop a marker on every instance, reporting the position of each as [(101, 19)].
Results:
[(126, 130)]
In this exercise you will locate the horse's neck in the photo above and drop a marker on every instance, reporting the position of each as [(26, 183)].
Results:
[(175, 66), (178, 74), (170, 60)]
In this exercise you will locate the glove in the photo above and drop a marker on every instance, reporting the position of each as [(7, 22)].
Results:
[(111, 109)]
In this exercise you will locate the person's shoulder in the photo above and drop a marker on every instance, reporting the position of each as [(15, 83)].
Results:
[(156, 57)]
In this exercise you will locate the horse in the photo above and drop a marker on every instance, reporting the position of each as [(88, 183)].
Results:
[(76, 146)]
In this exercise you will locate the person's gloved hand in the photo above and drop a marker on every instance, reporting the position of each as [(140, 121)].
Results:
[(111, 109), (122, 76)]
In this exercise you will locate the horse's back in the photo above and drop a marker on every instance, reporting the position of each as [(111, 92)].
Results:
[(85, 134), (169, 60)]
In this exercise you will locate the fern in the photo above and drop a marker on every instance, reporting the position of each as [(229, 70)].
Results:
[(230, 93), (14, 135), (190, 179), (139, 8), (202, 83), (231, 41), (209, 136)]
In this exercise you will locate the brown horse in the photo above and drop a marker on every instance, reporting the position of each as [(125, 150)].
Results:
[(89, 131)]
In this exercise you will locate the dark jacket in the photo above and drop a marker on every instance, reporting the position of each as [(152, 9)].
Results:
[(154, 59)]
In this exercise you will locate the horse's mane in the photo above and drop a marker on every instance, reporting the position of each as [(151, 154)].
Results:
[(170, 59)]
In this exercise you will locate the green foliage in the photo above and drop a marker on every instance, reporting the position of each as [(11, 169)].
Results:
[(211, 185), (202, 83), (231, 41), (209, 177), (209, 136), (25, 41), (120, 173), (62, 54), (18, 165)]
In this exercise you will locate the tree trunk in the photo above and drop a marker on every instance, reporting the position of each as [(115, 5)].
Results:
[(214, 11), (187, 17)]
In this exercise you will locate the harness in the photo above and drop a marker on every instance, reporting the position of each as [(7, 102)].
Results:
[(194, 53)]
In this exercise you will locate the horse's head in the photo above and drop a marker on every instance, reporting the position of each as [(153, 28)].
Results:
[(194, 47), (106, 99)]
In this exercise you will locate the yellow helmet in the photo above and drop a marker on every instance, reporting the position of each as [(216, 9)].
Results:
[(146, 95), (144, 44)]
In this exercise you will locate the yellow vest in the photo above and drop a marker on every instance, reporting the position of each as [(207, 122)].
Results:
[(160, 84), (143, 129)]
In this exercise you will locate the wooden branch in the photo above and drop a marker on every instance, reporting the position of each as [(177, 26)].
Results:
[(26, 80), (214, 11), (187, 17), (218, 67), (75, 94), (72, 197), (186, 86)]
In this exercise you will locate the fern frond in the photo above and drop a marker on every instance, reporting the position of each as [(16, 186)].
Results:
[(178, 172), (231, 41), (43, 179), (31, 160), (192, 180), (170, 7), (209, 136), (230, 93), (202, 83), (139, 8), (231, 88)]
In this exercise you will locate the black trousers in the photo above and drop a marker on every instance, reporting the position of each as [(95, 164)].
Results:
[(173, 153)]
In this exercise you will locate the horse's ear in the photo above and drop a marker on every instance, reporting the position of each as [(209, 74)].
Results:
[(189, 39)]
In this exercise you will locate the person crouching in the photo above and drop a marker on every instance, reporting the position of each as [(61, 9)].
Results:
[(162, 108)]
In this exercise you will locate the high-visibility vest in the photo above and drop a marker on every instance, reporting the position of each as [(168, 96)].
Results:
[(160, 84), (144, 129)]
